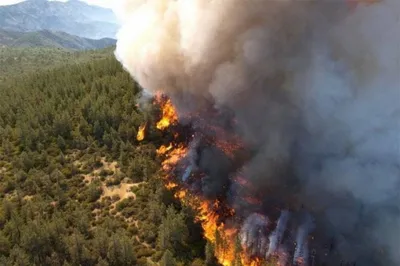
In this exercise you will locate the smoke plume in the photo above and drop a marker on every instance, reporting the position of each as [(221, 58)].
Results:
[(314, 87)]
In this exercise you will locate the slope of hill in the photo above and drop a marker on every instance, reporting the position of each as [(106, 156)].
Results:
[(76, 188), (46, 38), (73, 17)]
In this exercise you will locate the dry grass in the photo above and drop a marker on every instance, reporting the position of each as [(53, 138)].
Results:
[(123, 191)]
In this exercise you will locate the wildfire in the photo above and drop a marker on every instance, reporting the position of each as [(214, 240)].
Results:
[(169, 115), (208, 221), (227, 147), (163, 149), (208, 218), (216, 232), (140, 134), (171, 185), (180, 194), (173, 157)]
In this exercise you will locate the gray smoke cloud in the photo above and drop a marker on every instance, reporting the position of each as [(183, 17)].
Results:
[(314, 85)]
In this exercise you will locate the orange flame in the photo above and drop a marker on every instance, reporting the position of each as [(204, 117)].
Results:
[(208, 221), (170, 185), (180, 194), (218, 234), (163, 149), (222, 237), (169, 114), (140, 134), (173, 157)]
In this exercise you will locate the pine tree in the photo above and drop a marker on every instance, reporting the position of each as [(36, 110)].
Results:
[(76, 246), (26, 161), (100, 243), (120, 252), (167, 259), (61, 143), (173, 232), (5, 245), (98, 130), (18, 257), (198, 262)]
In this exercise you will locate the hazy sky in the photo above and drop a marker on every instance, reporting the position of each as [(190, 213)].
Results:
[(104, 3)]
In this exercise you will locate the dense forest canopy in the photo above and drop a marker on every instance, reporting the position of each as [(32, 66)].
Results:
[(17, 61), (76, 188)]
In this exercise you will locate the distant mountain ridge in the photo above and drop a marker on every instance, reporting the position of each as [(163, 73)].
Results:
[(73, 17), (46, 38)]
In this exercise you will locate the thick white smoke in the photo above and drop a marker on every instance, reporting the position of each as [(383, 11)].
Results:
[(315, 84)]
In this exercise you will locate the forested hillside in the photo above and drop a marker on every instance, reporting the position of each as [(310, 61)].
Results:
[(15, 62), (55, 39), (76, 188)]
